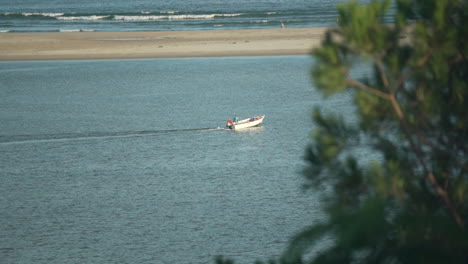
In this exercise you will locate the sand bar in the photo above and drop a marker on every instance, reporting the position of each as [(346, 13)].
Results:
[(158, 44)]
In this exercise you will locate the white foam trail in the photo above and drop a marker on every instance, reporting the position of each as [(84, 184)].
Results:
[(89, 18), (5, 31)]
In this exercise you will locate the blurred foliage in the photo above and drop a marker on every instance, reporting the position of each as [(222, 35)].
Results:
[(409, 205), (406, 200)]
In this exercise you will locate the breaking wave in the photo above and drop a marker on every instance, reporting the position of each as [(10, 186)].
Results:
[(172, 17), (159, 20), (142, 16), (43, 14), (77, 30), (86, 18)]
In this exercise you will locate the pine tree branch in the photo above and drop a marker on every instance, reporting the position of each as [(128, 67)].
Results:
[(361, 86), (460, 46), (383, 76), (401, 82), (437, 188), (428, 143), (446, 181), (396, 106), (425, 59), (439, 141), (443, 194)]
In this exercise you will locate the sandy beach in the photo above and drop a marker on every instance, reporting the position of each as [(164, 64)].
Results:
[(158, 44)]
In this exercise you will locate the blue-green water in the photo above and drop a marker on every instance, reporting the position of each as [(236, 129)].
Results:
[(126, 161), (158, 15)]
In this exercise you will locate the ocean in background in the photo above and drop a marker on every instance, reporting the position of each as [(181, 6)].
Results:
[(167, 15), (128, 161)]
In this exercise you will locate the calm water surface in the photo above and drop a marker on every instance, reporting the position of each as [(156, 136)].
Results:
[(126, 161)]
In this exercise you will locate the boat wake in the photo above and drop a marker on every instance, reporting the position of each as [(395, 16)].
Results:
[(88, 135)]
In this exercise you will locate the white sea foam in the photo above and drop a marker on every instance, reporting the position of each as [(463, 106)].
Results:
[(139, 18), (43, 14), (93, 17), (260, 21), (172, 17), (77, 30), (162, 12), (5, 31), (229, 15), (271, 13), (70, 30)]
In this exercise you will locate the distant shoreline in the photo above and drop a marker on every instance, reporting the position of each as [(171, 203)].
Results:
[(158, 44)]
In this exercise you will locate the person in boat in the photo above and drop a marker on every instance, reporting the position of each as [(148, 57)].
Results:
[(236, 119)]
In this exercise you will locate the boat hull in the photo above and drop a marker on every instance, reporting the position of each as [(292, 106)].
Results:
[(246, 123)]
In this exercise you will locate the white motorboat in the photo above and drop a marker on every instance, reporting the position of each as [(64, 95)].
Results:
[(245, 123)]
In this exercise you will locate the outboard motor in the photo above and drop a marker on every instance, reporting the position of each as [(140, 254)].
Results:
[(229, 124)]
